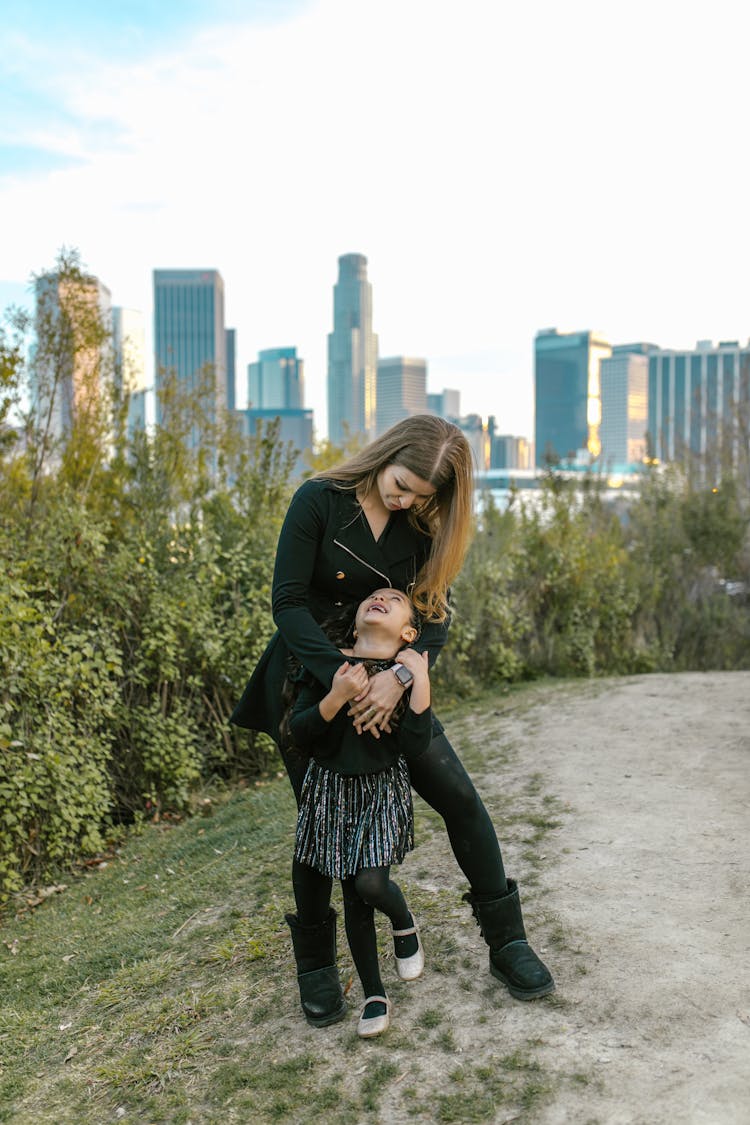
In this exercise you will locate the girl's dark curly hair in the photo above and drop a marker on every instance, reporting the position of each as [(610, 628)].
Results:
[(339, 628)]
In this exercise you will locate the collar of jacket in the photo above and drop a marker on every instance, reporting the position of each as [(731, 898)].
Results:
[(399, 541)]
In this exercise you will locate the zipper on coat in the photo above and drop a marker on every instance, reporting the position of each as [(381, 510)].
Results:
[(364, 563)]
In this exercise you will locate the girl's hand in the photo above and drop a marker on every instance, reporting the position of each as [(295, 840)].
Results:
[(372, 709), (416, 662), (349, 681)]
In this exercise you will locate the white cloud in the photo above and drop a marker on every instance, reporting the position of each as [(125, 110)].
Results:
[(503, 167)]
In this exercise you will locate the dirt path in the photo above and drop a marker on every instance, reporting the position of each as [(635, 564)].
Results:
[(650, 882), (623, 807)]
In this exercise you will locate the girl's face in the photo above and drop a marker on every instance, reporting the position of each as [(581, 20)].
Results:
[(390, 611), (400, 488)]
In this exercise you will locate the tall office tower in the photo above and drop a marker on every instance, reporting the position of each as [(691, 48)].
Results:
[(73, 352), (477, 434), (446, 404), (567, 394), (352, 353), (190, 336), (624, 385), (295, 427), (509, 452), (276, 380), (129, 347), (401, 390), (231, 337), (698, 402)]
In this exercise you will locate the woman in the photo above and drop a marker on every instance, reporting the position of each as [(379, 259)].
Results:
[(398, 513)]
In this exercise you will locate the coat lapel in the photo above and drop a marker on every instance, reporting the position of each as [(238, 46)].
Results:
[(398, 542)]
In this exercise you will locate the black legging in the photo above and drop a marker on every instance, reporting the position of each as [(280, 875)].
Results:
[(440, 779), (369, 890)]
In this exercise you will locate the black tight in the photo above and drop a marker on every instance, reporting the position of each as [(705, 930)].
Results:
[(440, 780), (370, 889)]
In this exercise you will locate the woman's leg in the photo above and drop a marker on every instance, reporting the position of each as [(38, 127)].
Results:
[(313, 929), (441, 780), (312, 891)]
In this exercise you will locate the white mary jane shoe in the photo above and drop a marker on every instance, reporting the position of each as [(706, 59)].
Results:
[(375, 1025), (410, 968)]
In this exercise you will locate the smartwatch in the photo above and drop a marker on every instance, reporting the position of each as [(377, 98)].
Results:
[(402, 674)]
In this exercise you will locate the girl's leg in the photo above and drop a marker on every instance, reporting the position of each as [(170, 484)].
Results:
[(440, 779), (376, 888), (359, 918)]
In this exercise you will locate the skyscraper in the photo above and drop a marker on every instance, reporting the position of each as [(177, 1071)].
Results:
[(276, 380), (401, 390), (129, 344), (231, 334), (624, 379), (352, 353), (698, 402), (446, 404), (189, 334), (73, 356), (567, 394)]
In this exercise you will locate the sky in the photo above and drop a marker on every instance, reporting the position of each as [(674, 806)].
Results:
[(504, 167)]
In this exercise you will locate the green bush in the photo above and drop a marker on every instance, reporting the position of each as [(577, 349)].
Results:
[(136, 583), (59, 692)]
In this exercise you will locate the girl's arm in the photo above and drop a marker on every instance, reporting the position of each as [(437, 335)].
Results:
[(312, 714), (299, 541)]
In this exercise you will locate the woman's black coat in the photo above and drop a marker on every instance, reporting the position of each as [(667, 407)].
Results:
[(328, 558)]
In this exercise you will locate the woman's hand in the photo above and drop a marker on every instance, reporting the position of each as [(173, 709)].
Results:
[(372, 709)]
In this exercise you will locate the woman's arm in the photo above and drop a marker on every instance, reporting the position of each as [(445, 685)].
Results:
[(432, 638), (299, 541)]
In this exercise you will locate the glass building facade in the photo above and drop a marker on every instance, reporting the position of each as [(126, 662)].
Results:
[(352, 353), (697, 403), (401, 390), (189, 333), (624, 390), (68, 380), (231, 349), (446, 404), (567, 395), (129, 344), (295, 427), (276, 380)]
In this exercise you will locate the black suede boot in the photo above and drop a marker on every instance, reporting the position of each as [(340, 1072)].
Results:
[(318, 978), (512, 960)]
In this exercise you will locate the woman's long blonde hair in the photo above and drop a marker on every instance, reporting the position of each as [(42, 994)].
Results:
[(437, 451)]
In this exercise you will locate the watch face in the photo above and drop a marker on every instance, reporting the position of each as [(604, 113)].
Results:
[(404, 676)]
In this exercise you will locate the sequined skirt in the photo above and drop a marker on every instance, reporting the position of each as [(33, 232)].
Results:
[(347, 823)]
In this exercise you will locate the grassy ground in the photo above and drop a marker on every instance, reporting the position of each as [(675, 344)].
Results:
[(159, 987)]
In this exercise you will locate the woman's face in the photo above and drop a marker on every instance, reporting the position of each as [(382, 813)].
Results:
[(400, 488)]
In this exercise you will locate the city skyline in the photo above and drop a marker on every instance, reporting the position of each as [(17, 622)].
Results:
[(562, 171)]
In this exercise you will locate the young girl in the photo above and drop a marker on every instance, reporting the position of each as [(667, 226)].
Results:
[(355, 816)]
